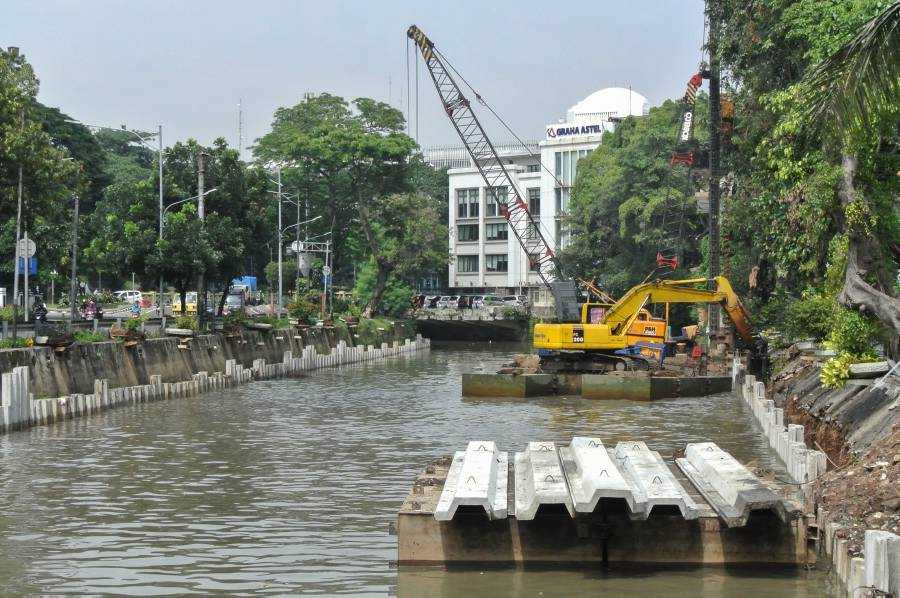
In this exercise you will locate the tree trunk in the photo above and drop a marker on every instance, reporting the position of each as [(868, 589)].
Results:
[(857, 293), (381, 279), (221, 306), (182, 292)]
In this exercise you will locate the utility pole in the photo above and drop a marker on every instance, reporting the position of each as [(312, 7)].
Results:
[(297, 245), (160, 301), (240, 128), (15, 303), (72, 277), (27, 262), (713, 15), (201, 214), (280, 281)]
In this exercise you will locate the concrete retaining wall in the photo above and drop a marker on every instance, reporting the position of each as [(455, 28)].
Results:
[(803, 465), (877, 572), (20, 409), (73, 371)]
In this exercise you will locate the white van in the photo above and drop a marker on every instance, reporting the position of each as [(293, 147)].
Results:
[(127, 296)]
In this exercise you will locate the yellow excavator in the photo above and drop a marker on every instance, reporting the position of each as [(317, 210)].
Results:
[(609, 337), (590, 336)]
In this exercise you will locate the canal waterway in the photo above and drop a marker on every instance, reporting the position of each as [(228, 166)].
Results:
[(289, 487)]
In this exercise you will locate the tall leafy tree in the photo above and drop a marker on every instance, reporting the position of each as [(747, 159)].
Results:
[(815, 188), (626, 197), (49, 174), (856, 88), (353, 156)]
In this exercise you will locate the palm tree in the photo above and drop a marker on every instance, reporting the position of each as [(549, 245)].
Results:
[(856, 93), (861, 81)]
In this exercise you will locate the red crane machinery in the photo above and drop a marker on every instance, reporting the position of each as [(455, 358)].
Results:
[(541, 256)]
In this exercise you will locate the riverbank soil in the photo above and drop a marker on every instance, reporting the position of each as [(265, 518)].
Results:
[(866, 493), (858, 427)]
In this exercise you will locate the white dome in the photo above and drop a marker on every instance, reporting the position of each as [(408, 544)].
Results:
[(606, 103)]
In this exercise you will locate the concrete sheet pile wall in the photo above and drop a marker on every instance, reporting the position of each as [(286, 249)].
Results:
[(803, 464), (20, 409), (878, 569)]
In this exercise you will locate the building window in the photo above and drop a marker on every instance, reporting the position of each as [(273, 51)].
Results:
[(562, 235), (531, 232), (496, 232), (533, 265), (491, 205), (534, 201), (533, 168), (467, 263), (566, 165), (467, 203), (495, 263), (467, 232), (562, 200)]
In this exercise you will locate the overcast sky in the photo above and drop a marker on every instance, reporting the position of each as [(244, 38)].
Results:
[(185, 63)]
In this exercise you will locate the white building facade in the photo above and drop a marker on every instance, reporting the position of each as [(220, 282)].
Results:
[(486, 257)]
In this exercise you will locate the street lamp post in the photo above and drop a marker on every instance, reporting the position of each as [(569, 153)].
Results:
[(73, 277), (15, 303), (280, 283), (159, 300)]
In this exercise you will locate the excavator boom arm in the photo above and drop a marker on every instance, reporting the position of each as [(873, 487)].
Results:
[(620, 316)]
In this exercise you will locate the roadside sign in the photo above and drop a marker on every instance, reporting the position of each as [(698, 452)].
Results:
[(32, 266), (326, 270), (23, 248)]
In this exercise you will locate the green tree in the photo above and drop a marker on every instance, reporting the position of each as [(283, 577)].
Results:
[(355, 159), (815, 147), (857, 89), (409, 242), (624, 194), (49, 174), (182, 251)]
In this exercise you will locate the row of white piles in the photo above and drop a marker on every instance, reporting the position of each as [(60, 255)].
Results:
[(19, 409), (803, 464), (877, 572)]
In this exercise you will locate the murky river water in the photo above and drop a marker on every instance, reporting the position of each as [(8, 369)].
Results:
[(288, 487)]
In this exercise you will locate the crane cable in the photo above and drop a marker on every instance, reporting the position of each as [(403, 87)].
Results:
[(408, 114), (484, 103), (544, 230)]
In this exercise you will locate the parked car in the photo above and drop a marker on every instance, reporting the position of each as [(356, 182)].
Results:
[(127, 296), (478, 302), (447, 301), (492, 301), (515, 300), (431, 301)]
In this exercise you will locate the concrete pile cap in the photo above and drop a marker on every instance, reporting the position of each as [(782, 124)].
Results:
[(882, 567), (652, 483), (477, 477), (729, 487), (540, 480), (592, 474)]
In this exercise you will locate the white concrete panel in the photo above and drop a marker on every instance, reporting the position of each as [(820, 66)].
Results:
[(540, 480), (651, 481), (592, 474), (478, 476)]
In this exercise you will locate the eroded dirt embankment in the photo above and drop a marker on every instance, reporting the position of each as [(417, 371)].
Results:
[(858, 427)]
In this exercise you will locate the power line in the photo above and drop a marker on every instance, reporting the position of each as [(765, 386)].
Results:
[(408, 113), (484, 103)]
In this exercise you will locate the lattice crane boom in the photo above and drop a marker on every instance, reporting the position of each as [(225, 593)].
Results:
[(527, 230)]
